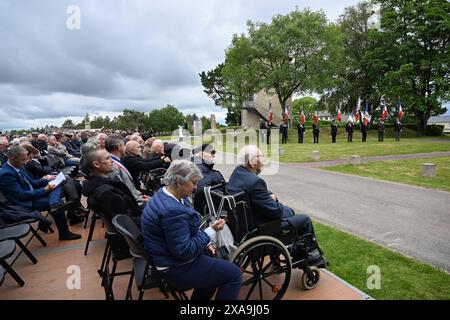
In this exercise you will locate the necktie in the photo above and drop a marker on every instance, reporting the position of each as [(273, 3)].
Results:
[(26, 180)]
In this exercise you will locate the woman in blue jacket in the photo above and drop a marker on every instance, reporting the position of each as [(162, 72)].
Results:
[(170, 228)]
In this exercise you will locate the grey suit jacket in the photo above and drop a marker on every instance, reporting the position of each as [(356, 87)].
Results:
[(120, 174)]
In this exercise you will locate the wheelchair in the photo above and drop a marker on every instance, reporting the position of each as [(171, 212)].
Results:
[(266, 254), (152, 180)]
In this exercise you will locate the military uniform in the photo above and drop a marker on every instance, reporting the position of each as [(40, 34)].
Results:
[(381, 132), (398, 128), (284, 133), (300, 131), (334, 129), (349, 130), (316, 131)]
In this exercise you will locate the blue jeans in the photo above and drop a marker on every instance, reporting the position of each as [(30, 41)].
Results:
[(205, 274), (50, 200)]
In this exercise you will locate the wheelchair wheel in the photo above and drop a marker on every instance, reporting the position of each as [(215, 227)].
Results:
[(266, 268), (309, 283)]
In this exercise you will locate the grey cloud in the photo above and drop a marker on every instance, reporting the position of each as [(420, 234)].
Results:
[(137, 53)]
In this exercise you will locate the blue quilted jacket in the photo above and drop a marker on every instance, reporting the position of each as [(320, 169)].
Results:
[(171, 231)]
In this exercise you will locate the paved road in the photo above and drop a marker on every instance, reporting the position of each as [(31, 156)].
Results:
[(412, 220)]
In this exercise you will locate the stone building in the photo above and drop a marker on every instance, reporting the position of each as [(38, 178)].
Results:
[(258, 106)]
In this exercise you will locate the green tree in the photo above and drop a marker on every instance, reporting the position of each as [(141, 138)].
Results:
[(227, 92), (309, 105), (295, 53), (166, 119), (68, 124), (419, 35), (131, 120), (361, 70)]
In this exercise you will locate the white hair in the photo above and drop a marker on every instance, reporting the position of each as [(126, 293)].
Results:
[(248, 155), (180, 172)]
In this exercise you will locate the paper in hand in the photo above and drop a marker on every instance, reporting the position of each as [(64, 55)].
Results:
[(57, 181)]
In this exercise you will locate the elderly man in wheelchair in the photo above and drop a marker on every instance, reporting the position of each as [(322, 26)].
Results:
[(264, 238)]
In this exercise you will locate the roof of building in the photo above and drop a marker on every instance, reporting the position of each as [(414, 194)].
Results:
[(439, 119)]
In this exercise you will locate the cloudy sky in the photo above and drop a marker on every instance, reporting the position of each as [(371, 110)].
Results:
[(137, 54)]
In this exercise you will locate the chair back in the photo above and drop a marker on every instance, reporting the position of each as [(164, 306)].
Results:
[(130, 231)]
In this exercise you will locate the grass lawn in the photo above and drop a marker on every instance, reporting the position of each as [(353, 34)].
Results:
[(401, 277), (407, 171)]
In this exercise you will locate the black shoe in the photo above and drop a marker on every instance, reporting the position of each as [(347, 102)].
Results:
[(82, 210), (70, 236), (44, 226), (76, 219)]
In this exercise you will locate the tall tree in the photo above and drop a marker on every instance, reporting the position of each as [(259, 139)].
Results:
[(360, 70), (308, 104), (295, 53), (68, 124), (419, 31), (166, 119)]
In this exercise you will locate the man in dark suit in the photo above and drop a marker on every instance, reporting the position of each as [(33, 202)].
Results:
[(349, 130), (284, 132), (398, 128), (364, 129), (316, 131), (334, 130), (265, 205), (106, 195), (204, 159), (381, 131), (40, 195), (300, 132)]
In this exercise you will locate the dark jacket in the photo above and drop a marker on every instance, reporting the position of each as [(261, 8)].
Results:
[(211, 177), (284, 129), (334, 128), (109, 197), (171, 231), (36, 169), (16, 188), (136, 165), (264, 208), (349, 128), (316, 128)]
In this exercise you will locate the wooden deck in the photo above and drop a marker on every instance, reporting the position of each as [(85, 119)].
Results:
[(47, 279)]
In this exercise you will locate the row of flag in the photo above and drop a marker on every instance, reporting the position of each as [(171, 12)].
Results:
[(357, 114)]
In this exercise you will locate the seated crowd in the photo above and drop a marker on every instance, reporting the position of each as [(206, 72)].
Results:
[(112, 166)]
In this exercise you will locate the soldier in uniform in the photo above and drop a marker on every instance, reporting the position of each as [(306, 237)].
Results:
[(263, 131), (269, 125), (398, 128), (334, 129), (364, 130), (300, 131), (284, 132), (316, 132), (349, 130), (381, 131)]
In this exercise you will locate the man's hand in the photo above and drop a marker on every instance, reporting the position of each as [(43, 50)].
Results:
[(49, 187), (212, 248), (167, 160), (50, 177), (218, 225), (146, 198), (274, 197)]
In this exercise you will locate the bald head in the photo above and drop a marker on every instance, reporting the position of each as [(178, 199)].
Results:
[(133, 148), (157, 148), (98, 161)]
